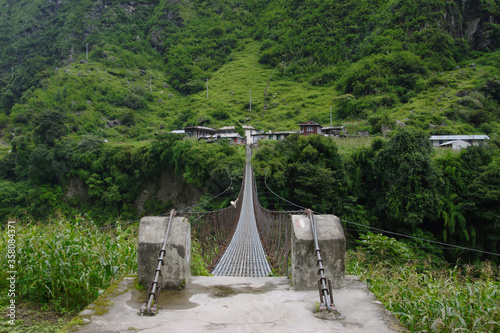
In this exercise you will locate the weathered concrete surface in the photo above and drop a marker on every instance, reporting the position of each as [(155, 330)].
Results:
[(331, 241), (177, 268), (241, 304)]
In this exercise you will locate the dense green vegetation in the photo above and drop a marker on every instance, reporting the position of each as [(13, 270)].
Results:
[(70, 176), (401, 184), (63, 267), (89, 135), (424, 295)]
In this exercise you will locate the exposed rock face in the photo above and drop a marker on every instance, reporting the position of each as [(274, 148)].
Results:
[(472, 22), (170, 187), (129, 8), (76, 187), (113, 123), (170, 12)]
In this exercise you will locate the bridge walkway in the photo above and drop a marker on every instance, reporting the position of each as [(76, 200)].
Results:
[(245, 255)]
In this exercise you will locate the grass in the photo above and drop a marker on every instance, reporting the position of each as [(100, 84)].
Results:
[(348, 145), (289, 102), (91, 93), (34, 318), (103, 89)]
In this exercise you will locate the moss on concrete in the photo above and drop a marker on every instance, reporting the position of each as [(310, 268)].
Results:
[(102, 304)]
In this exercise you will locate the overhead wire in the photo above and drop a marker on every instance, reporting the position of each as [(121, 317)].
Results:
[(181, 210), (390, 232), (423, 239)]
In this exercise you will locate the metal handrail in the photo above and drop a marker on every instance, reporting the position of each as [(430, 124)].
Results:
[(325, 292)]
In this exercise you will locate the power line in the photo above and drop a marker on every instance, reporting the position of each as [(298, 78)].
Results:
[(293, 204), (392, 232), (183, 209), (423, 239), (422, 260)]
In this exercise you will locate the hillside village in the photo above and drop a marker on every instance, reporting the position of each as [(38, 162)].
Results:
[(252, 136)]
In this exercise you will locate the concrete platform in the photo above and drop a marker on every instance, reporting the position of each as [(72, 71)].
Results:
[(236, 304)]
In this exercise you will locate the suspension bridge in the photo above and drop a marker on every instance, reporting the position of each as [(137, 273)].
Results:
[(244, 244)]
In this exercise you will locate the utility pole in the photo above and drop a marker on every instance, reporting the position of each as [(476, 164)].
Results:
[(87, 51), (331, 124), (250, 100), (207, 87)]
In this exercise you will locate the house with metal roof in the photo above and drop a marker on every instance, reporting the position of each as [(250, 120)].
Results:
[(334, 131), (271, 135), (199, 131), (310, 127), (475, 140), (455, 145), (249, 131), (232, 137)]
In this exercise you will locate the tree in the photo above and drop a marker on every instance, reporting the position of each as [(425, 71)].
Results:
[(408, 178), (239, 129), (50, 127), (483, 197), (305, 170)]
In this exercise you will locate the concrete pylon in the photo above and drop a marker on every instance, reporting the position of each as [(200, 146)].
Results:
[(331, 241), (177, 268)]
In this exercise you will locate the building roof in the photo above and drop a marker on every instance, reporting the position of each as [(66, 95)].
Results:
[(334, 128), (276, 133), (459, 137), (178, 131), (308, 123), (245, 127), (201, 128), (454, 141), (230, 135)]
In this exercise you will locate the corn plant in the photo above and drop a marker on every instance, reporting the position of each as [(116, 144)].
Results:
[(66, 264), (426, 298)]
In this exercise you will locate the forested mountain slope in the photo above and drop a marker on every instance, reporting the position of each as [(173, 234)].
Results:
[(381, 59), (66, 114)]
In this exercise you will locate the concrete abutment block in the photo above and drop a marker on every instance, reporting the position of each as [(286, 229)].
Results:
[(332, 244), (177, 268)]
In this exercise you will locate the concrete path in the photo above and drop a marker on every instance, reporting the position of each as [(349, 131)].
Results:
[(237, 304)]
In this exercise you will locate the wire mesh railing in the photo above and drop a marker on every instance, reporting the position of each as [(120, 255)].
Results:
[(213, 230), (275, 234)]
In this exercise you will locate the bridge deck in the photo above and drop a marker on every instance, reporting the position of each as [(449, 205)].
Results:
[(245, 255)]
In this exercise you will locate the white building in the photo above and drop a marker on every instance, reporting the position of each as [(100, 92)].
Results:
[(232, 137), (199, 131), (474, 140), (249, 131), (455, 145), (270, 136)]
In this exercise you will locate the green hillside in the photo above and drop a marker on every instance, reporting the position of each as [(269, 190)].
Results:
[(433, 65), (378, 60)]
